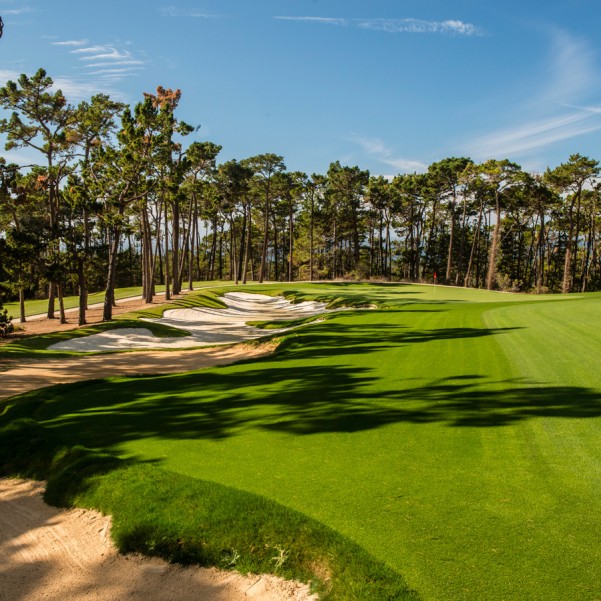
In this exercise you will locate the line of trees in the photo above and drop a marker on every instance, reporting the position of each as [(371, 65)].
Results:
[(118, 198)]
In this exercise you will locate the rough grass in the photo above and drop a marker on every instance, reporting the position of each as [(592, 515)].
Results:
[(455, 435)]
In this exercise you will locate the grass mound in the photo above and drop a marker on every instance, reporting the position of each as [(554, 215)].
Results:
[(190, 521)]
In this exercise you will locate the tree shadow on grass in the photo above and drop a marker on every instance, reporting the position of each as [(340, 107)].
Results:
[(307, 388), (336, 338), (299, 401)]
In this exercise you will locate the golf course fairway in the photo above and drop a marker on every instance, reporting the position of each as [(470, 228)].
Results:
[(453, 434)]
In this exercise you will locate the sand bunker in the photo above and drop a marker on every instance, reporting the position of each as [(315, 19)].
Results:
[(207, 326), (48, 554)]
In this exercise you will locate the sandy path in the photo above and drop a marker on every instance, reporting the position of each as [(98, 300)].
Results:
[(17, 376), (47, 554)]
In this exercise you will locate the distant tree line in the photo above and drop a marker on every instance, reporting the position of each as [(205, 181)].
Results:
[(118, 199)]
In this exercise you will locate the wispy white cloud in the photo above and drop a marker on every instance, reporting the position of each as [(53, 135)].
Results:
[(120, 71), (70, 43), (589, 109), (524, 138), (451, 26), (554, 112), (377, 149), (322, 20), (17, 11), (111, 54), (108, 62), (111, 63), (8, 75), (571, 69), (90, 50), (420, 26), (78, 89), (74, 89), (100, 68), (173, 11)]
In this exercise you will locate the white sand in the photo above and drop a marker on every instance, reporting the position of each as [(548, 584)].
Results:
[(207, 326)]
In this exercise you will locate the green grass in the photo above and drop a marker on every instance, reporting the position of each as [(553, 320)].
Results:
[(38, 307), (191, 521), (454, 435)]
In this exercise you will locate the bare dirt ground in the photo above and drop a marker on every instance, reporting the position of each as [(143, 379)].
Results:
[(47, 554)]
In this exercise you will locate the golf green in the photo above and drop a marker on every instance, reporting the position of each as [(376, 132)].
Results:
[(454, 434)]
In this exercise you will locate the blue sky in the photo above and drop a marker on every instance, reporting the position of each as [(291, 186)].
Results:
[(389, 85)]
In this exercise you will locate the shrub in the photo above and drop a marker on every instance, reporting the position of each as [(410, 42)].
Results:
[(6, 326)]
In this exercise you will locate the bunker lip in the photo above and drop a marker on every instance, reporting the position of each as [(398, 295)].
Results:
[(48, 553), (207, 326)]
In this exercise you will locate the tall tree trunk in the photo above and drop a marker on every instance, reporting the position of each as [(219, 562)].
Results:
[(462, 242), (233, 245), (388, 266), (148, 257), (61, 304), (175, 248), (448, 272), (494, 248), (540, 276), (587, 256), (194, 227), (291, 249), (427, 258), (83, 291), (213, 250), (566, 285), (221, 252), (265, 236), (248, 247), (109, 295), (311, 243), (22, 305), (51, 298), (167, 277), (242, 244), (475, 242), (275, 252)]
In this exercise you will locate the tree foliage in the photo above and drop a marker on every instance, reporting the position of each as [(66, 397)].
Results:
[(118, 198)]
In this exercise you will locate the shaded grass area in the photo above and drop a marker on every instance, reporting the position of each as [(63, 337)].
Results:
[(289, 323), (190, 521)]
